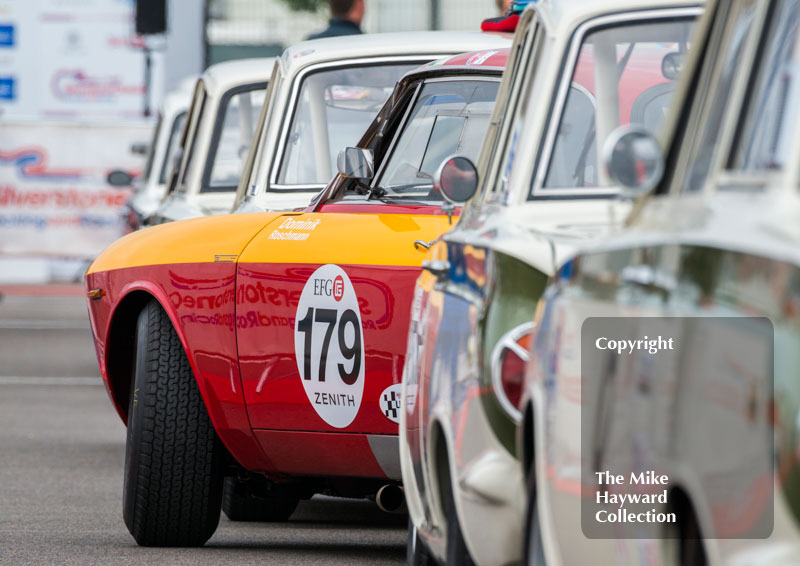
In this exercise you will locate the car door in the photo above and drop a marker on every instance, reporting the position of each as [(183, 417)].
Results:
[(323, 303), (323, 298)]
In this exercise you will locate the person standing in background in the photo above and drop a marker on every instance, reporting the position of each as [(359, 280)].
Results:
[(346, 17), (503, 6)]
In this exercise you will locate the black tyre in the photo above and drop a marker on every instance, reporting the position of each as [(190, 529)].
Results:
[(682, 544), (174, 461), (253, 499), (417, 552), (457, 551), (534, 550)]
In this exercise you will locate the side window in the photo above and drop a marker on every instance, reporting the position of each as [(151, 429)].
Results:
[(233, 135), (716, 97), (445, 135), (171, 153), (621, 76), (773, 102)]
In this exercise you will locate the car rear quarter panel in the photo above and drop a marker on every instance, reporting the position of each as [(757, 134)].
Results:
[(189, 268)]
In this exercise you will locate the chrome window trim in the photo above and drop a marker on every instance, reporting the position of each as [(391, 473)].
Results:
[(188, 138)]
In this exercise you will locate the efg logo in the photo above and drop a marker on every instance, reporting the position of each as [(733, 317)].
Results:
[(329, 288), (75, 85), (338, 288)]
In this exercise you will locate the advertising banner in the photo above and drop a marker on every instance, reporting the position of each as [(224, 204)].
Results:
[(72, 101), (54, 198), (75, 60)]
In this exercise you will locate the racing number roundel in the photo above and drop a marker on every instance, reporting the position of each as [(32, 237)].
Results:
[(329, 345)]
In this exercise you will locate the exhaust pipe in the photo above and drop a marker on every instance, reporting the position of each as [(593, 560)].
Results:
[(391, 498)]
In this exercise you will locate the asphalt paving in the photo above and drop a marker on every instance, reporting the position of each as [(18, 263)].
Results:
[(61, 458)]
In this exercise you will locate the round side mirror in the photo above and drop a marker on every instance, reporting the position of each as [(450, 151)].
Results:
[(119, 178), (672, 65), (456, 179), (633, 160)]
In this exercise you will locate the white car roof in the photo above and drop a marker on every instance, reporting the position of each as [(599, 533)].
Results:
[(228, 74), (561, 16), (305, 53)]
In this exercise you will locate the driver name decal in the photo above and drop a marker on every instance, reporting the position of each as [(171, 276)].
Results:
[(329, 345), (291, 229)]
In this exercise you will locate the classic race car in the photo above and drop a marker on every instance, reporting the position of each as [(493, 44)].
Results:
[(268, 348), (216, 139), (580, 70), (708, 263), (152, 186), (324, 94)]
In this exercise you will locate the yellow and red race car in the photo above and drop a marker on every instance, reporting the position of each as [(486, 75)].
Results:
[(264, 351)]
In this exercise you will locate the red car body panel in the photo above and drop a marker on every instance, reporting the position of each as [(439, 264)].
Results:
[(233, 291)]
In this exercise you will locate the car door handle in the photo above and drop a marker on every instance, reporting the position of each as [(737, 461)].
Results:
[(437, 267), (422, 245)]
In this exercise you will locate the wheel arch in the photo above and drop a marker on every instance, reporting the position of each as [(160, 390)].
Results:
[(121, 342), (121, 348)]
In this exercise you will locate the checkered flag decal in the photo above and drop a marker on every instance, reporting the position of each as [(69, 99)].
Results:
[(391, 405)]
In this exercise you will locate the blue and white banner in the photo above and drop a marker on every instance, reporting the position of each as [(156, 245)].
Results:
[(54, 198), (76, 60)]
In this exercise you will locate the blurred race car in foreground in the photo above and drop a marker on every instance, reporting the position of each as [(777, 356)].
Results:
[(709, 264), (580, 69)]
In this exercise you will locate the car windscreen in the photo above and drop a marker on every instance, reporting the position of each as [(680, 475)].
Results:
[(624, 74), (333, 110), (448, 117), (233, 136)]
